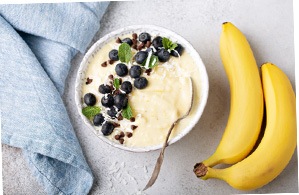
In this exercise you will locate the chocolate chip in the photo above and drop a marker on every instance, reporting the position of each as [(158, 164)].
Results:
[(116, 92), (122, 134), (134, 35), (121, 140), (134, 41), (132, 119), (110, 61), (133, 127), (148, 44), (88, 81), (148, 71), (104, 64), (140, 46), (111, 87), (116, 124), (117, 137), (129, 134), (110, 77), (120, 117), (118, 40)]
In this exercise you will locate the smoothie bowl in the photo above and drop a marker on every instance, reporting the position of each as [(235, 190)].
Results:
[(135, 82)]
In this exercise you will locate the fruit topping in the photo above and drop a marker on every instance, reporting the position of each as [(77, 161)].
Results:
[(98, 119), (144, 37), (163, 55), (107, 100), (103, 89), (157, 42), (107, 128), (90, 99), (126, 87), (121, 69), (177, 51), (112, 112), (140, 83), (128, 41), (121, 101), (135, 71), (113, 55), (141, 56)]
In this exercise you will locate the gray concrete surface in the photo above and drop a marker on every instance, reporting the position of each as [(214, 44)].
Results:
[(268, 25)]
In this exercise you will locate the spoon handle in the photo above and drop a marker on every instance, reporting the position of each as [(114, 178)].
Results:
[(161, 156)]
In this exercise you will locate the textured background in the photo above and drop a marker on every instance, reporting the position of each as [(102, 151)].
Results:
[(268, 25)]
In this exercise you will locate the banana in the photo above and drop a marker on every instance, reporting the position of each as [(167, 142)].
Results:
[(247, 105), (278, 143)]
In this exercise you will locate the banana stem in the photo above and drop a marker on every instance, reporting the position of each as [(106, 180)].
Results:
[(200, 170), (204, 172), (212, 160)]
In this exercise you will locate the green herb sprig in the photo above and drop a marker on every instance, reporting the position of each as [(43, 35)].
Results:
[(168, 44), (124, 53), (127, 112), (91, 111), (116, 83)]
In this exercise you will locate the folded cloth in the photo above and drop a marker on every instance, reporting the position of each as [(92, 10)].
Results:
[(37, 43)]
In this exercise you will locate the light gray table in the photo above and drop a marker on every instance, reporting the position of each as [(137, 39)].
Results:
[(268, 25)]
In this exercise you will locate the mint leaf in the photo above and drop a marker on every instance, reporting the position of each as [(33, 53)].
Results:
[(153, 61), (168, 44), (124, 52), (116, 83), (91, 111), (127, 112)]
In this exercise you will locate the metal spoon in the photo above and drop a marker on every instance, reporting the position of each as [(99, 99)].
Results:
[(161, 156)]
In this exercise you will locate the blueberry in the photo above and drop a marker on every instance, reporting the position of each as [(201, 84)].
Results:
[(98, 119), (140, 83), (178, 51), (112, 112), (149, 49), (128, 41), (120, 100), (107, 128), (157, 42), (107, 100), (113, 54), (144, 37), (141, 56), (126, 87), (90, 99), (163, 55), (121, 69), (104, 89), (135, 71)]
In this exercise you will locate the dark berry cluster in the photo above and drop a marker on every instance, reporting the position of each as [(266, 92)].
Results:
[(115, 96)]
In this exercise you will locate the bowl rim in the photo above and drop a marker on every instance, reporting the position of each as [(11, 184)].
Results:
[(136, 28)]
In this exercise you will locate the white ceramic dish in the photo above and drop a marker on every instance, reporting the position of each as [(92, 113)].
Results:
[(155, 30)]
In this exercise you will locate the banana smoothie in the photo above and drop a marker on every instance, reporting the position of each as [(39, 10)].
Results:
[(136, 86)]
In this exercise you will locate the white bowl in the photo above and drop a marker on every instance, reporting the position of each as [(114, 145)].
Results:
[(155, 30)]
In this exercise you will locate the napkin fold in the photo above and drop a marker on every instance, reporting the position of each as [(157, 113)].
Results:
[(37, 43)]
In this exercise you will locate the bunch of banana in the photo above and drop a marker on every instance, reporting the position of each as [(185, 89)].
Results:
[(246, 98), (278, 144)]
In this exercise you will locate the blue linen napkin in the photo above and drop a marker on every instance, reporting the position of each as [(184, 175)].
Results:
[(37, 43)]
